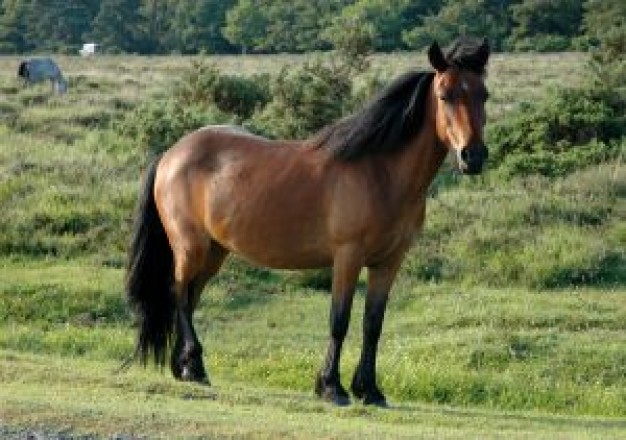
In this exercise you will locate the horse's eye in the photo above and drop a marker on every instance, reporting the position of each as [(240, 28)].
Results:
[(446, 96)]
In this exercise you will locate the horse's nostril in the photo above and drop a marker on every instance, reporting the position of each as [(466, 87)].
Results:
[(465, 154)]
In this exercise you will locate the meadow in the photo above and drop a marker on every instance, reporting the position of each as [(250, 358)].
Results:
[(508, 318)]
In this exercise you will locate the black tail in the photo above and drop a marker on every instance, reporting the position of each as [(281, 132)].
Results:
[(149, 276)]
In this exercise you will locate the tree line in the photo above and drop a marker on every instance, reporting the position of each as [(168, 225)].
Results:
[(271, 26)]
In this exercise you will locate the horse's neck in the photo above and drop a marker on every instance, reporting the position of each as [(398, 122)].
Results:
[(415, 166)]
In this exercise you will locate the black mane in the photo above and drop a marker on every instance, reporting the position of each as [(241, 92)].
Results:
[(396, 114), (386, 123), (468, 54)]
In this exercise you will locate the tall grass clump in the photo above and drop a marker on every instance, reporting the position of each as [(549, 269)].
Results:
[(540, 232)]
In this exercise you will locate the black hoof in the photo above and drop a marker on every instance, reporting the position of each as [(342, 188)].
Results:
[(357, 386), (370, 395), (376, 400), (176, 370), (188, 375), (190, 370), (333, 393)]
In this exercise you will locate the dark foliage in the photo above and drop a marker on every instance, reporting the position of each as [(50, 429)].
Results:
[(275, 26)]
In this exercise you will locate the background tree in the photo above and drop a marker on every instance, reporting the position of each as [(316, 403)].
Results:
[(604, 23), (353, 41), (545, 25), (385, 19), (271, 26), (197, 26), (488, 18), (155, 24), (281, 25), (58, 24), (246, 24), (13, 25), (115, 27)]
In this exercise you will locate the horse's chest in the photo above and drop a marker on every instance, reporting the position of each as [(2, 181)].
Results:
[(394, 233)]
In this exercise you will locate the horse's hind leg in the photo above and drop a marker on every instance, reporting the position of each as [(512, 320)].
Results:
[(191, 276), (215, 257)]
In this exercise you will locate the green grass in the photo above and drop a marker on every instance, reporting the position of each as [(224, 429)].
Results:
[(534, 232), (508, 318), (513, 349), (87, 397)]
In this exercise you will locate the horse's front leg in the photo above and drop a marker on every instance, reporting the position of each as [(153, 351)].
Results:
[(379, 283), (345, 275)]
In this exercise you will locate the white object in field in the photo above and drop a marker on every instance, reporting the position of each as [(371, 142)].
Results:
[(89, 49)]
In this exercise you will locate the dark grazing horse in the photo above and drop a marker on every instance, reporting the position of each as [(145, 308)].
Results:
[(352, 196), (36, 70)]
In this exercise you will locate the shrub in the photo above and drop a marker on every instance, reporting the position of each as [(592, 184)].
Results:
[(566, 130), (547, 163), (157, 125), (203, 85), (364, 88), (304, 99), (606, 31)]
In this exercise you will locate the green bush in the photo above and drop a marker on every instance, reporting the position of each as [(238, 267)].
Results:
[(157, 125), (365, 87), (203, 84), (203, 97), (566, 130), (547, 163), (294, 103), (304, 99)]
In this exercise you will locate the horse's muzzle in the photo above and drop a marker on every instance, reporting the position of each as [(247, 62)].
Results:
[(472, 158)]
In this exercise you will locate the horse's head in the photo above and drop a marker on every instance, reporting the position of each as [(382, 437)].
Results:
[(22, 71), (460, 96)]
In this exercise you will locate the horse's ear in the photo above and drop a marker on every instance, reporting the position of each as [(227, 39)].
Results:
[(483, 52), (436, 58)]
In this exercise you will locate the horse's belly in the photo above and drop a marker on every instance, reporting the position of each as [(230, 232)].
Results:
[(280, 253), (278, 241), (294, 261)]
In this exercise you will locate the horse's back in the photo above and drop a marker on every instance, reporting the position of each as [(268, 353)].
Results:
[(216, 149), (39, 69)]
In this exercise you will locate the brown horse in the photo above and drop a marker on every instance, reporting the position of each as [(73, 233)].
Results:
[(352, 196)]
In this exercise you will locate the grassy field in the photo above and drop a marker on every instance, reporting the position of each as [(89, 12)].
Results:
[(45, 398), (508, 318), (543, 357)]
